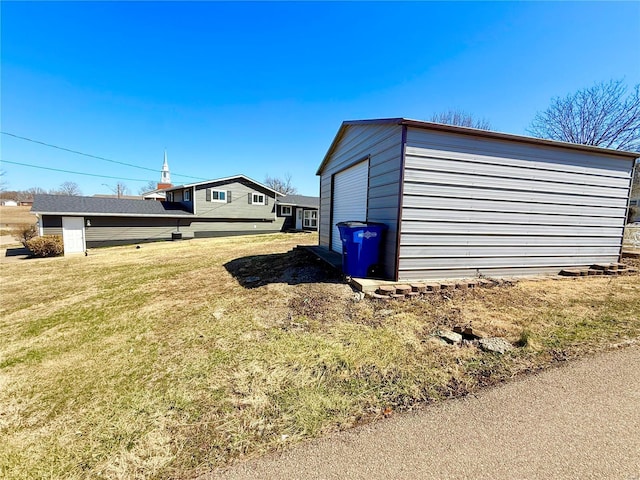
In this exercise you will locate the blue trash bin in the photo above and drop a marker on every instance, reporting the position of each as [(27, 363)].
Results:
[(361, 243)]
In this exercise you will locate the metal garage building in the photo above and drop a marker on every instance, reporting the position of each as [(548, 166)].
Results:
[(460, 202)]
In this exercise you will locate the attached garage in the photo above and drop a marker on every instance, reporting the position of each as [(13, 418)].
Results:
[(462, 202)]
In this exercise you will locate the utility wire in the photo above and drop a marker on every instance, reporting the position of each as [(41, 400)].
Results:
[(93, 156), (75, 173)]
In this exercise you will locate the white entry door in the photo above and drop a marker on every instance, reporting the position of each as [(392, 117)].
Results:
[(73, 235), (349, 199), (298, 218)]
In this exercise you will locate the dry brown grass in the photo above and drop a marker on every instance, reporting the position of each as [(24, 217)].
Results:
[(12, 216), (178, 357)]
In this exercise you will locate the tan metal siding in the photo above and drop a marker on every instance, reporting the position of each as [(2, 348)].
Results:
[(477, 206), (382, 145)]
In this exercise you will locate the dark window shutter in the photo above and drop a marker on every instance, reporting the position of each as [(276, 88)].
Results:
[(228, 196), (250, 198), (266, 200), (208, 194)]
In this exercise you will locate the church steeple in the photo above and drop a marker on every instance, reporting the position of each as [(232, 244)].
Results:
[(165, 176)]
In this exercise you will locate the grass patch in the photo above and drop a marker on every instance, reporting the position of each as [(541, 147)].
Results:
[(179, 357)]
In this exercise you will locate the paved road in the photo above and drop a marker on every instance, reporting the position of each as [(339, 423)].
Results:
[(579, 421)]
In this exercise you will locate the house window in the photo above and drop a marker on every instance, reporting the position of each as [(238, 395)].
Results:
[(169, 196), (311, 218), (187, 195), (285, 211), (217, 196), (257, 199)]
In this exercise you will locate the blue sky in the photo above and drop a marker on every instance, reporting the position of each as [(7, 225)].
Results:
[(261, 88)]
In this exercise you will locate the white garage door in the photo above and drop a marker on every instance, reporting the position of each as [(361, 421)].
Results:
[(349, 199), (73, 234)]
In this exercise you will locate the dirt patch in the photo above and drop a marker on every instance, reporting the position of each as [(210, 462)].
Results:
[(293, 268)]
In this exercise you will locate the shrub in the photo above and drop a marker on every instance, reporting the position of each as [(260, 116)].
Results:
[(24, 232), (46, 246)]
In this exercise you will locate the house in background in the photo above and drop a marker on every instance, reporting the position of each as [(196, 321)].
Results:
[(299, 212), (461, 202), (234, 205)]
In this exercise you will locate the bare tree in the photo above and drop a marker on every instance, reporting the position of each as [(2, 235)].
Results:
[(28, 194), (148, 187), (282, 185), (68, 188), (461, 119), (603, 115), (120, 189)]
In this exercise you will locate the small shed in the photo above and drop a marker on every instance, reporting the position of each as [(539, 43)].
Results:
[(461, 202)]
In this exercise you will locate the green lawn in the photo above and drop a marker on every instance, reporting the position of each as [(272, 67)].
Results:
[(179, 357)]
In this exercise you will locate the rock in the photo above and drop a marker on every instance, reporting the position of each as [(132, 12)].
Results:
[(495, 344), (449, 336), (252, 279)]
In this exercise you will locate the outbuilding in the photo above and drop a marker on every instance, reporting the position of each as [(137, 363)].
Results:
[(461, 202)]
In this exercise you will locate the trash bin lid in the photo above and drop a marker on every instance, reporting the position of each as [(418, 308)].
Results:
[(352, 223)]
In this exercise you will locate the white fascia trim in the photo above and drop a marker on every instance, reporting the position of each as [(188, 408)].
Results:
[(215, 180)]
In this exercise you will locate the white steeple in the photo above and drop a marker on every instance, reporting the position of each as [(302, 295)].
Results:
[(166, 177)]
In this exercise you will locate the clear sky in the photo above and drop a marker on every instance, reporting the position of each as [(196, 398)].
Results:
[(261, 88)]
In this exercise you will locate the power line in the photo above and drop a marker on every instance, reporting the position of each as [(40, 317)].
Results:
[(75, 173), (94, 156)]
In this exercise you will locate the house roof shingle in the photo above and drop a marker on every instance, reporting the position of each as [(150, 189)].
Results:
[(299, 201), (74, 205)]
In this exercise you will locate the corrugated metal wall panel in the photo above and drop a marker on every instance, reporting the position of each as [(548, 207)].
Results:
[(514, 183), (432, 164), (484, 251), (474, 205), (482, 263), (513, 153), (495, 193), (427, 214), (464, 228), (478, 205), (416, 239)]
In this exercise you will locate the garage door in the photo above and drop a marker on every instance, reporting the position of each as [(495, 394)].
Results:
[(349, 199), (73, 235)]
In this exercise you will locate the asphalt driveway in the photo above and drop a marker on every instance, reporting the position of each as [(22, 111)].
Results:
[(580, 420)]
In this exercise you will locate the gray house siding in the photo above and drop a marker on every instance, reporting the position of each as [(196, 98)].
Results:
[(237, 205), (105, 231), (382, 145), (473, 205), (51, 225), (213, 228)]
